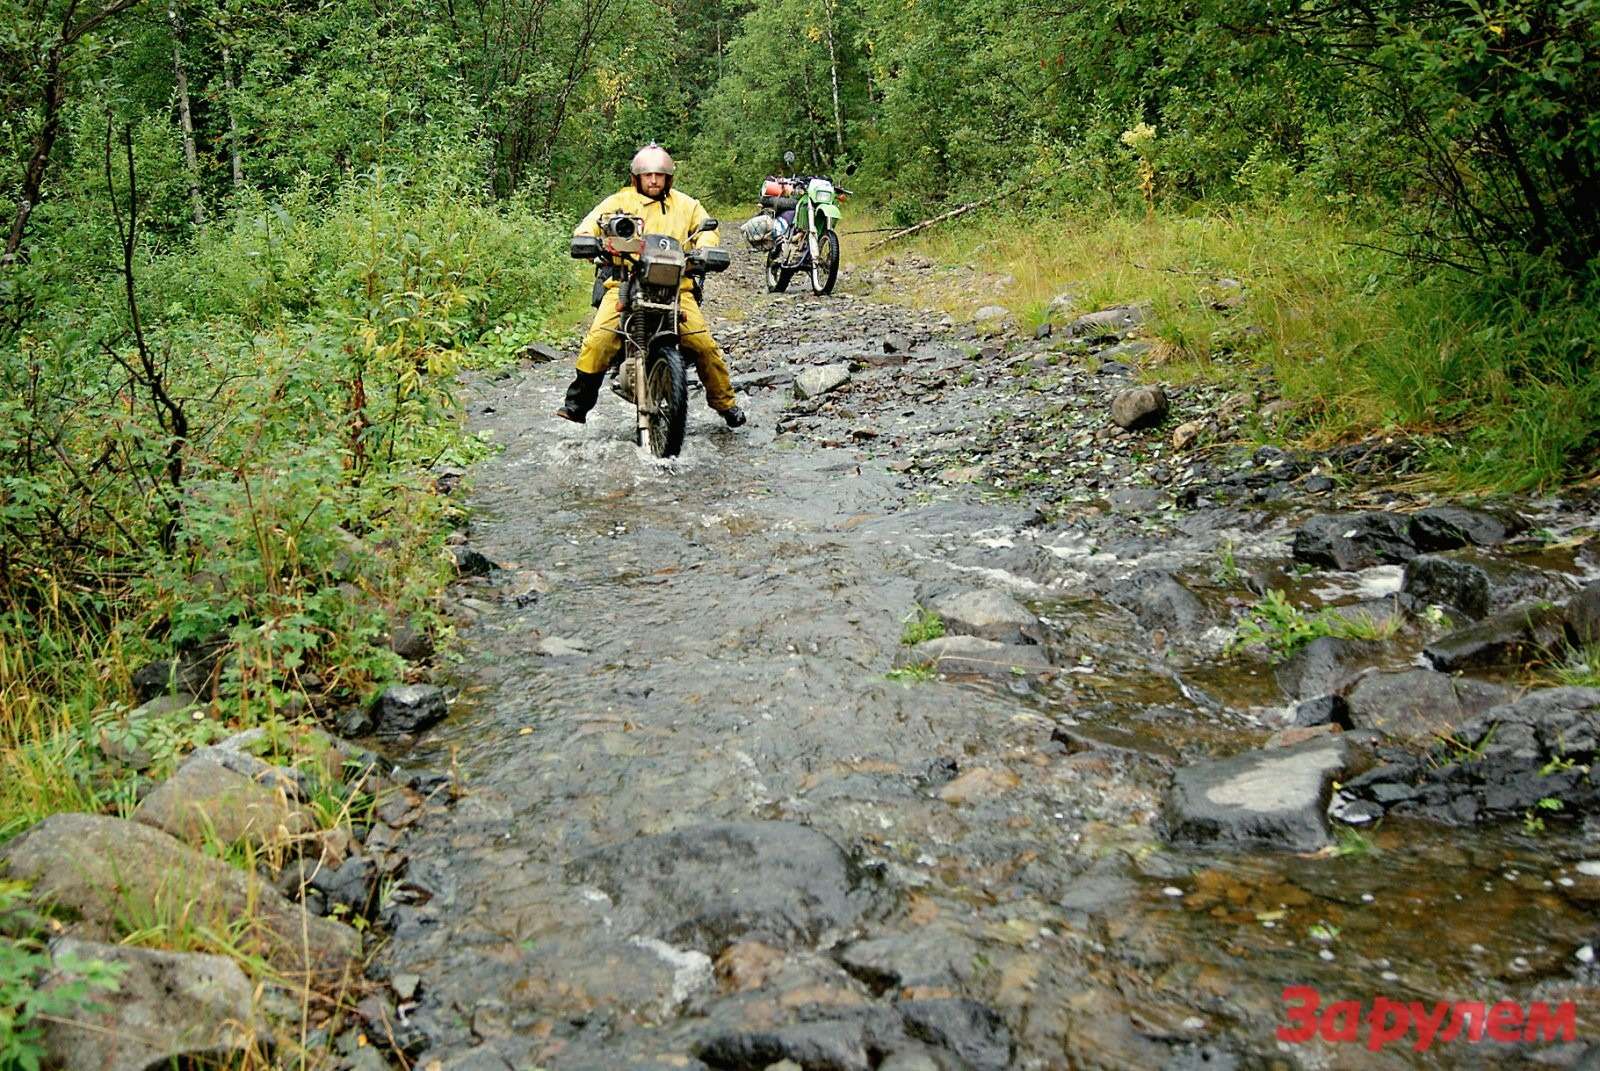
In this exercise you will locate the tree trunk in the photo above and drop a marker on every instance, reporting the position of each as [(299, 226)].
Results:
[(233, 123), (833, 66), (55, 94), (185, 120)]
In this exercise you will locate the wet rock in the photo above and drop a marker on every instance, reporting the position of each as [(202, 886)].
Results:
[(707, 886), (1582, 617), (1446, 527), (986, 613), (973, 1032), (1321, 710), (409, 708), (895, 342), (1324, 665), (167, 1008), (1414, 705), (1448, 582), (1354, 540), (470, 562), (815, 382), (1511, 637), (1139, 407), (1158, 600), (1274, 799), (1108, 323), (95, 866), (205, 801), (971, 655)]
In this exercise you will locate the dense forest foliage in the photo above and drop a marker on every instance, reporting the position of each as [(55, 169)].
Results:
[(247, 243)]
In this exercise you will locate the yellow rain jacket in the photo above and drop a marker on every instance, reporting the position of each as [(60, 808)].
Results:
[(675, 215)]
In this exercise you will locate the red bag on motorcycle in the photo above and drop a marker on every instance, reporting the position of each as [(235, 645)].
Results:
[(773, 187)]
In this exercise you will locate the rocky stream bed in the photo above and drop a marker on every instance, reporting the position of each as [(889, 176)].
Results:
[(712, 809)]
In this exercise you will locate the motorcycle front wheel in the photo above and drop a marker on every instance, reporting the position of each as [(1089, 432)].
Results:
[(825, 265), (777, 275), (667, 401)]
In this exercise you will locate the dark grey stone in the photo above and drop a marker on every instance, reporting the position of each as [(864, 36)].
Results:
[(1415, 705), (1324, 665), (1449, 582), (1321, 710), (1157, 599), (1139, 407), (828, 1046), (408, 708), (1354, 540), (1582, 617), (470, 562), (1509, 637), (1445, 527), (1272, 799), (972, 1031)]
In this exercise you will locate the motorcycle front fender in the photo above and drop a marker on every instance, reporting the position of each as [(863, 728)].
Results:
[(830, 211)]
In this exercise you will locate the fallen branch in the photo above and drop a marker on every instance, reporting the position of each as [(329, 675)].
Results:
[(964, 209)]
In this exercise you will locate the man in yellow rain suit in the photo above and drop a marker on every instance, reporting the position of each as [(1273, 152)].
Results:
[(651, 197)]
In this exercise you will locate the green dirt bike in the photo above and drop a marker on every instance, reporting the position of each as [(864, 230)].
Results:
[(811, 243)]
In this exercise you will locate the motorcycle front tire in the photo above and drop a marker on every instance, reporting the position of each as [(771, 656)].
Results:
[(777, 275), (667, 395), (825, 265)]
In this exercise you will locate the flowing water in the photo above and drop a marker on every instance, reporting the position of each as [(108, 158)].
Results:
[(711, 820)]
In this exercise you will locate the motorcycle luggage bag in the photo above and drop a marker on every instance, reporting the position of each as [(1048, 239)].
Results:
[(759, 231), (780, 204)]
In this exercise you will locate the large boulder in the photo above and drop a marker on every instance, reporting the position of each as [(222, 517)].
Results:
[(101, 870), (168, 1008), (1511, 637), (986, 613), (1272, 799), (1354, 540), (205, 801), (1139, 407), (707, 886), (1417, 705), (1445, 527)]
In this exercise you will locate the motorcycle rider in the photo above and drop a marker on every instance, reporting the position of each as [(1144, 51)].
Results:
[(650, 196)]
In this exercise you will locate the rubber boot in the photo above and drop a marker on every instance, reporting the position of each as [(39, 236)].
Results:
[(582, 393)]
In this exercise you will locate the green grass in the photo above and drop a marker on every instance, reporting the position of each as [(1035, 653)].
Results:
[(1496, 380), (1283, 628), (912, 674), (920, 626), (1582, 669)]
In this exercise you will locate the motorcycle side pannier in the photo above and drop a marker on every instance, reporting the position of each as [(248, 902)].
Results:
[(759, 231)]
